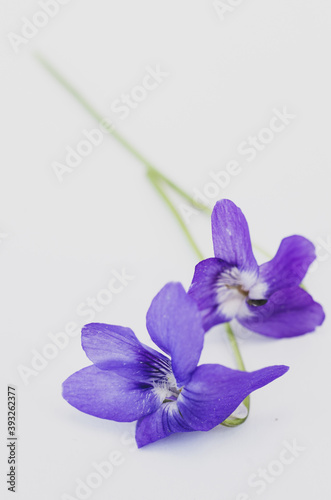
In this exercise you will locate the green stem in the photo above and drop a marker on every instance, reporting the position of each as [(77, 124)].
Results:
[(185, 195), (234, 421), (155, 182), (111, 130), (230, 421), (235, 347)]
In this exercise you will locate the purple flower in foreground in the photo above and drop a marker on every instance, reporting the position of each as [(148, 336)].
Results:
[(130, 381), (266, 299)]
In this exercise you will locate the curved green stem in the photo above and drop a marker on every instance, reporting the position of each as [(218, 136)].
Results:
[(111, 130), (155, 182), (184, 195), (235, 347), (234, 421)]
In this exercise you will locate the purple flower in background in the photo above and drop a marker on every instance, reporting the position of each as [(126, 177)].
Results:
[(130, 381), (266, 299)]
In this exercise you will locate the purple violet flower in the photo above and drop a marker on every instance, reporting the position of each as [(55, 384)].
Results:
[(266, 299), (130, 381)]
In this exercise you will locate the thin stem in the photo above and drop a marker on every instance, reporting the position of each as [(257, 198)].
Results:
[(185, 195), (232, 422), (111, 130), (155, 182), (235, 347)]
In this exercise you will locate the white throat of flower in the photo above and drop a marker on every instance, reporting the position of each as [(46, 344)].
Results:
[(166, 389), (234, 288)]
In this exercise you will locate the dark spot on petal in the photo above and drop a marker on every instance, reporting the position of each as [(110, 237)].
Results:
[(257, 303)]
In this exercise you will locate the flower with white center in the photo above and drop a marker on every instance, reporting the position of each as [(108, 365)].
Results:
[(129, 381), (267, 299)]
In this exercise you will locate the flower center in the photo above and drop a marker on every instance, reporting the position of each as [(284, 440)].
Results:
[(234, 289), (166, 389), (239, 288)]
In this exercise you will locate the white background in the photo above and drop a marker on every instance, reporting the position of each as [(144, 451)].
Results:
[(61, 241)]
